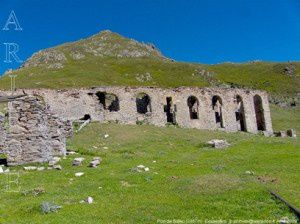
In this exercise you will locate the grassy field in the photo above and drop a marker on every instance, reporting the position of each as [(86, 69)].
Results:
[(187, 180)]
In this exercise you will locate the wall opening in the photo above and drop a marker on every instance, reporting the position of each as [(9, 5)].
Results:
[(108, 101), (259, 113), (85, 117), (240, 114), (143, 103), (217, 108), (170, 110), (3, 160), (193, 104)]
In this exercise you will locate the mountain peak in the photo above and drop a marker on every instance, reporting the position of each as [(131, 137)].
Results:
[(105, 44)]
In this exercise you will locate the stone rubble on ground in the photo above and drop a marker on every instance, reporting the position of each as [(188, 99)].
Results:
[(89, 200), (57, 167), (218, 144), (78, 161), (69, 152), (79, 174), (106, 136), (29, 168), (95, 162), (41, 168), (54, 161), (267, 133), (281, 134), (142, 168)]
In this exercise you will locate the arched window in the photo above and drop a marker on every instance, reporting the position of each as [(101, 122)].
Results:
[(108, 101), (143, 103), (217, 108), (240, 114), (259, 113), (193, 104)]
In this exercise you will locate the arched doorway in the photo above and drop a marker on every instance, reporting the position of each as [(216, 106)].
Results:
[(108, 101), (259, 113), (193, 104), (143, 103), (217, 108), (240, 114)]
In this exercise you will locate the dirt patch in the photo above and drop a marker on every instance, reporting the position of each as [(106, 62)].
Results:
[(212, 184), (267, 179)]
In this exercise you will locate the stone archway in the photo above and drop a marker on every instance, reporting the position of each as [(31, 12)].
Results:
[(217, 106), (259, 113), (240, 114), (193, 104), (108, 101), (143, 103)]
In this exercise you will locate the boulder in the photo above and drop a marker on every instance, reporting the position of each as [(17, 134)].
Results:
[(141, 168), (89, 200), (95, 162), (57, 167), (78, 161), (28, 168), (79, 174), (69, 152), (218, 144)]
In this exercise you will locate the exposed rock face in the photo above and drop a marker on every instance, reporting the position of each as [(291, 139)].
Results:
[(290, 69), (51, 57), (34, 133), (109, 44)]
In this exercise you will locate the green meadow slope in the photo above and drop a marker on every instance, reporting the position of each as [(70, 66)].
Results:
[(187, 180), (108, 58)]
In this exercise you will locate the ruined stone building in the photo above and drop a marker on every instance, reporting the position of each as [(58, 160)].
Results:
[(229, 109), (31, 133), (38, 125)]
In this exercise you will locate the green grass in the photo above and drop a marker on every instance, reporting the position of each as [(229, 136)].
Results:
[(188, 180), (285, 118), (93, 71)]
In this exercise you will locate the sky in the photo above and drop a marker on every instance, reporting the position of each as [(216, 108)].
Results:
[(204, 31)]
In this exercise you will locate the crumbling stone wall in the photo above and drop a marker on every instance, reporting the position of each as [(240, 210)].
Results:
[(233, 107), (35, 134)]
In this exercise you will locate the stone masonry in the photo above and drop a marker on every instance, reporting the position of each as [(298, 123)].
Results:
[(34, 134), (228, 109)]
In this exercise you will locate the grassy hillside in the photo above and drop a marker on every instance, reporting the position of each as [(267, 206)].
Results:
[(188, 180), (110, 59)]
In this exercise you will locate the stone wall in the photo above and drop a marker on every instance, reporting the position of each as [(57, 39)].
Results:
[(34, 134), (233, 109)]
